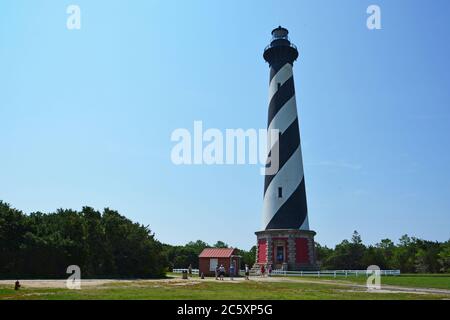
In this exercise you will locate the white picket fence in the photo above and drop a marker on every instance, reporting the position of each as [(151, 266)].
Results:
[(194, 271), (334, 273), (323, 273)]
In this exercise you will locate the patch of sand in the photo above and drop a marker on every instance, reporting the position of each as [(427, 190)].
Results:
[(96, 283), (60, 283)]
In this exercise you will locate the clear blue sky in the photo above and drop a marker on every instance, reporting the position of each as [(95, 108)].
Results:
[(86, 116)]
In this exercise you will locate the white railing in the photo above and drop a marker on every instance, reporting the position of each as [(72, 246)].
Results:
[(334, 273), (194, 271), (323, 273)]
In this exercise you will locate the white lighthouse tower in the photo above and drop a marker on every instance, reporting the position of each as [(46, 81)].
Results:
[(286, 242)]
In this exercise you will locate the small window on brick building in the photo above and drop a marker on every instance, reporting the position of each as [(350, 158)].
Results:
[(280, 192)]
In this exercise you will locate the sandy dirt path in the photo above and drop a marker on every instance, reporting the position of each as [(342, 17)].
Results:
[(346, 286), (61, 283)]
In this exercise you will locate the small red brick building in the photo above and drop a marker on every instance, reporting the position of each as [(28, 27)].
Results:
[(212, 257)]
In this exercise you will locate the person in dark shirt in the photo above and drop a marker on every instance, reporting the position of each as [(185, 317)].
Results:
[(217, 272)]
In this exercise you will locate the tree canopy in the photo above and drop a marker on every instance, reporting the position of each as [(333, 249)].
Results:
[(106, 244), (102, 244), (410, 255)]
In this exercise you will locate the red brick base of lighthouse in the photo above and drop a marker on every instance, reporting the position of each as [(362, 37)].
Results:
[(288, 249)]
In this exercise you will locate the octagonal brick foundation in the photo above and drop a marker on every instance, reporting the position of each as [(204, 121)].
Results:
[(291, 250)]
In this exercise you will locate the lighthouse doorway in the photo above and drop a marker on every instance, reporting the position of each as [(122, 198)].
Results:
[(280, 254)]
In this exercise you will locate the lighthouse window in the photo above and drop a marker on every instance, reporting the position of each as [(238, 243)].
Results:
[(280, 192), (279, 85)]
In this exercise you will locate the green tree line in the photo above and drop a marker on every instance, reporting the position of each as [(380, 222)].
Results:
[(107, 244), (410, 255), (102, 244)]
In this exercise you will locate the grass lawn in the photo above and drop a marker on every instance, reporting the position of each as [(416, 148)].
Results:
[(207, 289), (436, 281)]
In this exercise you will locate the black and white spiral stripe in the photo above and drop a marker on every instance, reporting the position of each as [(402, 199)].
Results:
[(290, 210)]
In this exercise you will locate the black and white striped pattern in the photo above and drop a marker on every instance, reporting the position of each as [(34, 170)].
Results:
[(288, 211)]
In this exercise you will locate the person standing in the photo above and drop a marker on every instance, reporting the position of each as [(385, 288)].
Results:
[(217, 272), (262, 270), (232, 268), (222, 271), (190, 270), (269, 270), (247, 272)]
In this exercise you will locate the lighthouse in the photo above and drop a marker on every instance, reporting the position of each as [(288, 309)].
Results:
[(286, 241)]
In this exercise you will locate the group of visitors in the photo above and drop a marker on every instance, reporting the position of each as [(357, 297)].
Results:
[(220, 271), (262, 270)]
